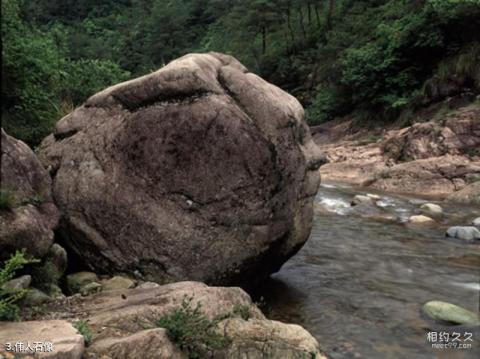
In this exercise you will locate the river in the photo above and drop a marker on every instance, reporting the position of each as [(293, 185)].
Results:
[(358, 283)]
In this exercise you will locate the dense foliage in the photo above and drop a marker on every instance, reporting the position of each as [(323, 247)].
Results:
[(374, 56), (8, 296)]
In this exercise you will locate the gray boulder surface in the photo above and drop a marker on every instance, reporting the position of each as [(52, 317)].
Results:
[(30, 221), (200, 171), (466, 233)]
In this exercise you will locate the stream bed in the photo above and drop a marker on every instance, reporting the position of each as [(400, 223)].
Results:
[(358, 283)]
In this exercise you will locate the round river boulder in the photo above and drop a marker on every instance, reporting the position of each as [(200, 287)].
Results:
[(200, 171)]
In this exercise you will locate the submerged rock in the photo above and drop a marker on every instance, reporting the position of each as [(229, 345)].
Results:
[(420, 219), (360, 199), (431, 209), (468, 234), (447, 312), (200, 170), (476, 222), (66, 342)]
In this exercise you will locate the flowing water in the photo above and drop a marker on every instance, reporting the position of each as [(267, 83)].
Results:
[(358, 283)]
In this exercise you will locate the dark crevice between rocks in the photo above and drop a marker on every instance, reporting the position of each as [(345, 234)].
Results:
[(163, 99), (63, 135)]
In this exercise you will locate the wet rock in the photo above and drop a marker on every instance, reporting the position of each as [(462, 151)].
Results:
[(366, 210), (360, 199), (150, 343), (420, 219), (117, 282), (468, 234), (90, 288), (259, 339), (476, 222), (431, 209), (66, 342), (30, 222), (76, 281), (374, 197), (447, 312), (35, 297), (215, 174), (19, 283)]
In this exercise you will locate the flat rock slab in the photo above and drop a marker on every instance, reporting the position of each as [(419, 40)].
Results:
[(66, 342), (150, 343)]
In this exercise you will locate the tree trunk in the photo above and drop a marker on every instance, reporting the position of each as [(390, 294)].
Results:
[(329, 15), (309, 14), (302, 26), (289, 23), (317, 16), (264, 39)]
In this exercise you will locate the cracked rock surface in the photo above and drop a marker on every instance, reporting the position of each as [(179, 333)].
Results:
[(200, 171), (30, 221)]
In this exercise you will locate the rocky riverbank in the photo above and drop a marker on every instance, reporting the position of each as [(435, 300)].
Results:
[(438, 158), (209, 322)]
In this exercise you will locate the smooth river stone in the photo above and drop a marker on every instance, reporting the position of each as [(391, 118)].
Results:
[(447, 312)]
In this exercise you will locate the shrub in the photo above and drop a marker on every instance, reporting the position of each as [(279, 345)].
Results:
[(84, 329), (191, 330), (35, 200), (242, 310), (8, 297)]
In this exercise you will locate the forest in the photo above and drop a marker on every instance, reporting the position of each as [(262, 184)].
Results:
[(379, 59)]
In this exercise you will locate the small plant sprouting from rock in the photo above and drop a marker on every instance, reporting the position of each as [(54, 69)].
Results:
[(8, 297), (242, 310), (191, 330), (35, 200), (383, 174), (7, 199), (84, 329)]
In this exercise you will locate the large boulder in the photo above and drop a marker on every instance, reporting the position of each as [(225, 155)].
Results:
[(200, 171), (28, 214)]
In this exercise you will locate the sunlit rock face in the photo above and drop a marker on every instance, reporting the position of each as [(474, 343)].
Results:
[(200, 171)]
